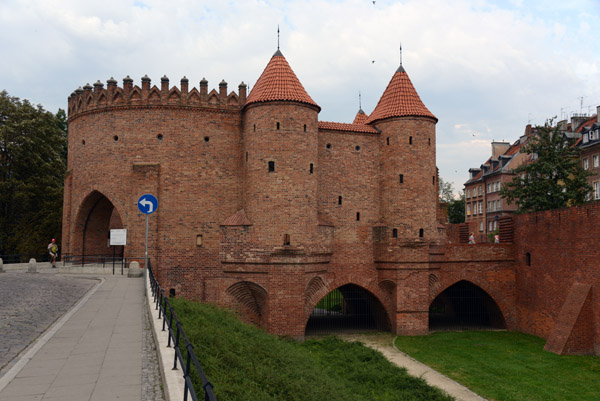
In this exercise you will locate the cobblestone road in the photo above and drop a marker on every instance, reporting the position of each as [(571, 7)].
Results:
[(30, 303)]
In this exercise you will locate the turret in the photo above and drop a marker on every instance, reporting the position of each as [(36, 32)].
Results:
[(280, 127), (408, 170)]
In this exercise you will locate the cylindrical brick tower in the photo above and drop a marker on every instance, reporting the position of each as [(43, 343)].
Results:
[(280, 159), (408, 170)]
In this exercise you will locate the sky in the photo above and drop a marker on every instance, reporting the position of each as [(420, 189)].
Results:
[(484, 68)]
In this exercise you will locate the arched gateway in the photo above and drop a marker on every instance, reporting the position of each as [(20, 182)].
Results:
[(96, 217)]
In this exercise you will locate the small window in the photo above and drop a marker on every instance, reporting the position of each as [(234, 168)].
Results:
[(421, 232), (528, 259), (433, 180), (401, 178), (410, 140), (159, 137), (357, 216), (83, 142), (116, 138), (388, 141), (206, 139), (429, 140), (278, 126), (339, 200), (254, 127), (304, 127), (246, 156), (286, 240), (271, 166), (328, 146), (586, 163), (171, 292), (357, 148), (199, 240), (311, 168), (395, 233)]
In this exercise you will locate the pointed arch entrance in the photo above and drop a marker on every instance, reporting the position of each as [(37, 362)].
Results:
[(464, 306), (96, 217), (347, 309)]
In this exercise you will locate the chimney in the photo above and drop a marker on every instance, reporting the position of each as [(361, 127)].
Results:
[(576, 121), (184, 85), (562, 126), (223, 90), (203, 87), (242, 92), (598, 113), (499, 148)]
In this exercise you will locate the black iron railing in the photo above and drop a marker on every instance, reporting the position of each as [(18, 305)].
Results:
[(24, 258), (176, 335), (104, 261)]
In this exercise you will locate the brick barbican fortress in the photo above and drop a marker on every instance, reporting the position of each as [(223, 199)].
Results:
[(266, 209)]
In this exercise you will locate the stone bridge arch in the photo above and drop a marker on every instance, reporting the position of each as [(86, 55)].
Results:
[(350, 300), (96, 216), (464, 304), (251, 301)]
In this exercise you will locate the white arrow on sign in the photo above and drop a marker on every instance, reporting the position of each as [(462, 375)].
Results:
[(147, 203)]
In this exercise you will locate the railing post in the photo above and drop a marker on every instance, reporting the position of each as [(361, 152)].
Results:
[(170, 325), (186, 372), (176, 347)]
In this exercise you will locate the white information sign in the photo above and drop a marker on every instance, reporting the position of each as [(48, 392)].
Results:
[(118, 236)]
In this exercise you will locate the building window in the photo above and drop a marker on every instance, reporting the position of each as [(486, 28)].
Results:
[(311, 168), (480, 190), (597, 190), (286, 240), (339, 200), (401, 178), (499, 204), (528, 259), (410, 140), (421, 233), (328, 146), (480, 207), (490, 226), (357, 148), (429, 140), (468, 193), (388, 141), (357, 216), (481, 226), (495, 225), (586, 163), (489, 188), (271, 167), (596, 162), (395, 233), (304, 127), (433, 180), (468, 209), (278, 126), (254, 127), (246, 156)]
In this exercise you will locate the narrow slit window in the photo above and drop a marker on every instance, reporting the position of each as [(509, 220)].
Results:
[(278, 126), (311, 168), (395, 233), (304, 127), (421, 232), (410, 140), (246, 156), (271, 166), (254, 127), (357, 216), (429, 140), (339, 200), (528, 259), (401, 178), (328, 146), (286, 240), (433, 180), (388, 141)]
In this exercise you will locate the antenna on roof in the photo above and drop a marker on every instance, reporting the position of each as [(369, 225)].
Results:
[(277, 36), (359, 101), (400, 53), (528, 118)]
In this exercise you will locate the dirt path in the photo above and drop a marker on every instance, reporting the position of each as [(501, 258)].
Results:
[(384, 343)]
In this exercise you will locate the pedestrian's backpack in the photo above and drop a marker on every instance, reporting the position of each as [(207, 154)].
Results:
[(54, 249)]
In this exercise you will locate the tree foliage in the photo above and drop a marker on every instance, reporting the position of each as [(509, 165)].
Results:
[(552, 179), (456, 207), (33, 147)]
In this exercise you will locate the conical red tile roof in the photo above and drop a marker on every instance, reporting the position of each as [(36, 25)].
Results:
[(400, 99), (361, 117), (278, 82)]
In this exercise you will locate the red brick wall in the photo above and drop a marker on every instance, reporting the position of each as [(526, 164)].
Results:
[(563, 245)]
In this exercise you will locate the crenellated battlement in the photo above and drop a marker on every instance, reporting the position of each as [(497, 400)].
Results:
[(97, 97)]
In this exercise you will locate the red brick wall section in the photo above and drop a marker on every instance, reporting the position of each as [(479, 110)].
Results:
[(563, 246)]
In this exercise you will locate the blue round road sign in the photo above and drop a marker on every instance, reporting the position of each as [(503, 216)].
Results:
[(147, 204)]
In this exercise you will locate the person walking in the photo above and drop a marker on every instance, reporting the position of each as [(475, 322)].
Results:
[(53, 250), (472, 238)]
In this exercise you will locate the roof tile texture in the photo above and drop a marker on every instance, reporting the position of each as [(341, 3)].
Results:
[(327, 125), (400, 99), (278, 82)]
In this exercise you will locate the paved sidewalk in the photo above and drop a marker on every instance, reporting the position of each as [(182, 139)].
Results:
[(93, 353)]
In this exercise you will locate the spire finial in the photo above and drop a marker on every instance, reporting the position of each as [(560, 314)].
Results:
[(359, 101), (277, 36), (400, 53)]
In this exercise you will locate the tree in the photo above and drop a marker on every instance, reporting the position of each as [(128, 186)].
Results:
[(456, 207), (32, 169), (552, 179)]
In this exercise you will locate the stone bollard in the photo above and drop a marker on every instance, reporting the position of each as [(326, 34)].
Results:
[(135, 270), (1, 266), (32, 266)]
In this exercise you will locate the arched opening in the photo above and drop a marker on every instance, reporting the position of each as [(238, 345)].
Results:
[(464, 306), (347, 309), (251, 300), (97, 216)]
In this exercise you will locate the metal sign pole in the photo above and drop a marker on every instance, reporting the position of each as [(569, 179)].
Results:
[(146, 254)]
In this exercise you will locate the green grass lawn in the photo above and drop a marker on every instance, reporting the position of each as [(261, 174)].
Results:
[(244, 363), (507, 366)]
